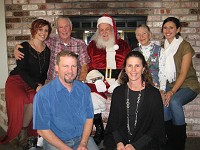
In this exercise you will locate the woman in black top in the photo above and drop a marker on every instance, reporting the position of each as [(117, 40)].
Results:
[(24, 81), (136, 114)]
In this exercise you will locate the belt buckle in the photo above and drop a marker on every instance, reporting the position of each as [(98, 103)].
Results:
[(108, 73)]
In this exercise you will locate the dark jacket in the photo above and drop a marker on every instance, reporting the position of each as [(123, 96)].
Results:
[(150, 125)]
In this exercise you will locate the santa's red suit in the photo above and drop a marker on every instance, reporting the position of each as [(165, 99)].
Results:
[(100, 59), (104, 68)]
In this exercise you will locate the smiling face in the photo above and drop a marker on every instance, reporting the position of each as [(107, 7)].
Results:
[(40, 28), (42, 33), (170, 30), (67, 69), (134, 69), (64, 29), (105, 31), (143, 36)]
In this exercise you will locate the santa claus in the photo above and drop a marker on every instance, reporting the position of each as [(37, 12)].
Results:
[(107, 53)]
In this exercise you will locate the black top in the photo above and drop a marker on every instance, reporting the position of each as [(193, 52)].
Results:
[(150, 122), (133, 98), (34, 66)]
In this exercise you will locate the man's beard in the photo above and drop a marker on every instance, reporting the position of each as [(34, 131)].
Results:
[(101, 43), (69, 81)]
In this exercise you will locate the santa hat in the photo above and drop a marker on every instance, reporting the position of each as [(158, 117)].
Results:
[(94, 74), (109, 20)]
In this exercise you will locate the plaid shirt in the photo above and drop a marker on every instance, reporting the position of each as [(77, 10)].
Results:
[(56, 45)]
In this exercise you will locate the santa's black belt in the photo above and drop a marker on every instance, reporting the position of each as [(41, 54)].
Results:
[(110, 73)]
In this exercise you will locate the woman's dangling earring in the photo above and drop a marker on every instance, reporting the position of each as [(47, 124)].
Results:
[(177, 36)]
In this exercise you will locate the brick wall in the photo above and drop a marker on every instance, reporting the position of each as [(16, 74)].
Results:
[(3, 115), (20, 14)]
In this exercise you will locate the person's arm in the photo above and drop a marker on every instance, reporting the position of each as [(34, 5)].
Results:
[(89, 114), (18, 55), (156, 128), (22, 67), (39, 87), (142, 142), (84, 60), (161, 74), (49, 136), (114, 116), (86, 133), (185, 65), (84, 71)]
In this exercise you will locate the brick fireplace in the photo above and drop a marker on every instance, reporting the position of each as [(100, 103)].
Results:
[(20, 13)]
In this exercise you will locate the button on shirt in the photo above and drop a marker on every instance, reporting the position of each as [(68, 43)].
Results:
[(61, 111)]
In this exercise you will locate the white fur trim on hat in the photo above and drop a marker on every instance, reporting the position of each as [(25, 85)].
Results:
[(93, 74), (105, 19)]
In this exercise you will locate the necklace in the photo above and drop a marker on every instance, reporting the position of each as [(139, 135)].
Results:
[(136, 111), (38, 49), (41, 61)]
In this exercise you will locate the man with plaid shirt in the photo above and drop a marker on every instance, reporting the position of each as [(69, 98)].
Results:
[(64, 41)]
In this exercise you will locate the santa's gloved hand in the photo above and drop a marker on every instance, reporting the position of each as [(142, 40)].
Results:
[(113, 85), (100, 86)]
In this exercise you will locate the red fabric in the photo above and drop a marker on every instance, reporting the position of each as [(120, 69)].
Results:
[(18, 93), (98, 56), (98, 60), (93, 89)]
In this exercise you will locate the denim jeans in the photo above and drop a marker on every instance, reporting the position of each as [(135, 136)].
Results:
[(175, 109), (73, 143)]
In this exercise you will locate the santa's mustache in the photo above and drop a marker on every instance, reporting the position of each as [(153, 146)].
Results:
[(105, 35)]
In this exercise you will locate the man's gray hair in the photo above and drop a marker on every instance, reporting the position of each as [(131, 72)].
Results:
[(63, 17)]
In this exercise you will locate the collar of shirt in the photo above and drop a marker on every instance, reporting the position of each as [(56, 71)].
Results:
[(60, 86), (72, 42)]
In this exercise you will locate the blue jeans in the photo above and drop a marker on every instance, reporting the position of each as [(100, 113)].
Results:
[(175, 109), (73, 143)]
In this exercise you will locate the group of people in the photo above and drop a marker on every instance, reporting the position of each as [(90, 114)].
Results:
[(149, 86)]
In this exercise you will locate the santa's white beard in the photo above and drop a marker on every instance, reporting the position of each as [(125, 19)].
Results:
[(101, 43)]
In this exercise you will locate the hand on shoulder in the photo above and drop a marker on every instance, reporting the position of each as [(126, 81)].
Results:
[(18, 55)]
